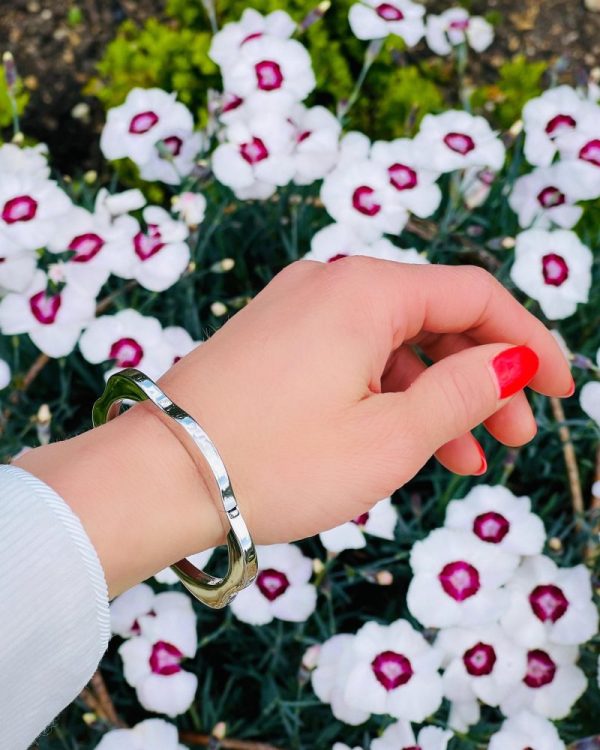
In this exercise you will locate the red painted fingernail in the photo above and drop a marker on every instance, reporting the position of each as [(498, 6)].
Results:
[(514, 369), (571, 390), (483, 468)]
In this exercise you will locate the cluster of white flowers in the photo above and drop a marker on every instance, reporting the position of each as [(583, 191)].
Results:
[(151, 734), (371, 19), (159, 632), (508, 624), (589, 397), (562, 142)]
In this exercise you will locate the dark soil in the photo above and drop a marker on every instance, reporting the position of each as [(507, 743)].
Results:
[(56, 56)]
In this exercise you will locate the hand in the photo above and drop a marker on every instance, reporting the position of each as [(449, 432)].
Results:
[(320, 405)]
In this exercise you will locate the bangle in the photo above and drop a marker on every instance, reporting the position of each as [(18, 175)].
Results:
[(132, 385)]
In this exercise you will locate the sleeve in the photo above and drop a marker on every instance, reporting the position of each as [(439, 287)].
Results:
[(54, 613)]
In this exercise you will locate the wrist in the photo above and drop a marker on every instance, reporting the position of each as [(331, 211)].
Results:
[(142, 497)]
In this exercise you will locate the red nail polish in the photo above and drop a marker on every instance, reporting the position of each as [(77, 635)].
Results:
[(514, 369), (571, 390), (483, 467)]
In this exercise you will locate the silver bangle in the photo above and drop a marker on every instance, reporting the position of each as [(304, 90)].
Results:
[(132, 385)]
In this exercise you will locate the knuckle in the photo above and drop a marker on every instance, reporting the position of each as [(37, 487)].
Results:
[(460, 396)]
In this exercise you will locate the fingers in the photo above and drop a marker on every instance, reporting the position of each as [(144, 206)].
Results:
[(451, 397), (453, 299)]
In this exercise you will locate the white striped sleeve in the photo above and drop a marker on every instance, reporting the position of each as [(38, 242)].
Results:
[(54, 614)]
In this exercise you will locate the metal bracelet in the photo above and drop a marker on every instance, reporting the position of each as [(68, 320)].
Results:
[(132, 385)]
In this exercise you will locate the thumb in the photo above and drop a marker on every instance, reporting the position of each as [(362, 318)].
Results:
[(456, 394)]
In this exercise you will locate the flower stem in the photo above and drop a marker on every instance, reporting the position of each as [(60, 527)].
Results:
[(371, 54)]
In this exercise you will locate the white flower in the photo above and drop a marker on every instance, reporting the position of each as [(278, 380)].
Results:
[(457, 140), (96, 244), (17, 266), (498, 517), (457, 580), (380, 521), (180, 341), (128, 607), (157, 257), (31, 161), (30, 209), (53, 321), (281, 589), (589, 400), (400, 736), (554, 268), (174, 157), (408, 174), (115, 204), (146, 117), (342, 746), (152, 660), (526, 729), (359, 194), (200, 559), (278, 68), (550, 604), (354, 146), (329, 679), (370, 19), (226, 44), (393, 670), (190, 207), (316, 136), (463, 714), (455, 26), (130, 340), (151, 734), (548, 195), (480, 663), (550, 686), (582, 143), (476, 186), (337, 241), (547, 118), (5, 374), (257, 156)]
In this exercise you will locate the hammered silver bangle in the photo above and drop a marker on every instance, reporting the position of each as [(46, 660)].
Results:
[(132, 385)]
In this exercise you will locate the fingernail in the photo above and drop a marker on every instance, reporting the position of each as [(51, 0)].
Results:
[(571, 390), (483, 467), (514, 369)]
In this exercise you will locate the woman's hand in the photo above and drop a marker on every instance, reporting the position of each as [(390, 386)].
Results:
[(320, 405)]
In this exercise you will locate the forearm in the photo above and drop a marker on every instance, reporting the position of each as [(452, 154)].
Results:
[(141, 496)]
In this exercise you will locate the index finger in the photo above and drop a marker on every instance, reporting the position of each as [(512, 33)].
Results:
[(463, 299)]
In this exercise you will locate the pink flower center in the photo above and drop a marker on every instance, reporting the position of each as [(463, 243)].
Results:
[(491, 527), (143, 122), (45, 308), (402, 177), (268, 75), (173, 144), (461, 24), (548, 602), (364, 202), (127, 352), (459, 142), (86, 247), (230, 102), (389, 12), (147, 245), (21, 208), (550, 197), (165, 658), (591, 152), (460, 580), (361, 520), (338, 256), (272, 583), (303, 136), (250, 37), (480, 659), (392, 669), (554, 269), (560, 122), (254, 151), (540, 669)]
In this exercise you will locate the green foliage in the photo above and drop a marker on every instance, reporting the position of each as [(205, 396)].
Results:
[(520, 80), (21, 97)]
